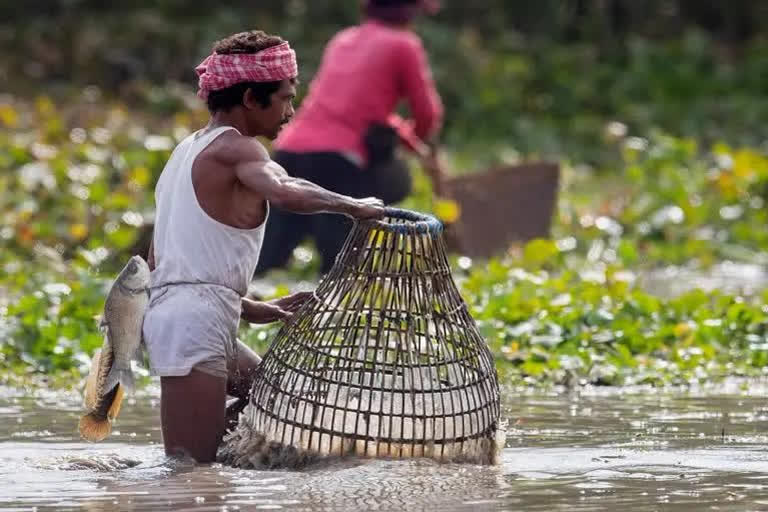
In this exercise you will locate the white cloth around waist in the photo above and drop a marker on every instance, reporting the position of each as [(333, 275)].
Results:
[(191, 326)]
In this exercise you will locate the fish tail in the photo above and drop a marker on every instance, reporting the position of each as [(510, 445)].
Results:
[(93, 428), (118, 376), (117, 401)]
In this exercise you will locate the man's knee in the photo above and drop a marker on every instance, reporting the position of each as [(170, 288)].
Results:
[(241, 375)]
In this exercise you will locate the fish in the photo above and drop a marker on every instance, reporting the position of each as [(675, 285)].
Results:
[(102, 407), (122, 322), (110, 375)]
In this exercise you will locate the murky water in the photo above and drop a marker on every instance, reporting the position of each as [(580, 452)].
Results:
[(745, 279), (728, 277), (600, 449)]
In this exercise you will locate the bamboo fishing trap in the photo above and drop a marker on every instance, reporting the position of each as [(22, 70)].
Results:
[(386, 361)]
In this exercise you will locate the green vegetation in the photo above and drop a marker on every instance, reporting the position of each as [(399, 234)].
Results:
[(530, 77), (597, 328), (659, 133), (554, 311)]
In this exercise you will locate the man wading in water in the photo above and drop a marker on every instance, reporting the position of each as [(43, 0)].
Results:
[(213, 201)]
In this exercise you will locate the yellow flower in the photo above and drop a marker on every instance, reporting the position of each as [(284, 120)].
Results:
[(447, 210), (682, 329), (78, 231), (140, 176), (44, 105), (8, 116)]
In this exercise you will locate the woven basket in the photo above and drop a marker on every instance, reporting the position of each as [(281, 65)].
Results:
[(386, 361)]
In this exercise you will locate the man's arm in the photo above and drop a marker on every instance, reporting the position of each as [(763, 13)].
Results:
[(419, 87), (271, 181)]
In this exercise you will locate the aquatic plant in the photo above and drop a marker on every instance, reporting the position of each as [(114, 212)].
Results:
[(77, 185)]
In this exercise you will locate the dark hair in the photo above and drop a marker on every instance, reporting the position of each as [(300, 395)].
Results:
[(393, 11), (388, 3), (244, 42)]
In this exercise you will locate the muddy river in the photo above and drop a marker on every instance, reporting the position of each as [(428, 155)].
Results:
[(595, 449)]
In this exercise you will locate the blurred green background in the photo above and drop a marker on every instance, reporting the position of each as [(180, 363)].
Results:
[(655, 110), (537, 76)]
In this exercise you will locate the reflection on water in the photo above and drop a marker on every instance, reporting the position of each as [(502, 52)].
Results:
[(747, 279), (599, 449), (728, 277)]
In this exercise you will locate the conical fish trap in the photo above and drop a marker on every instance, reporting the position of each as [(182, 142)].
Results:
[(386, 361)]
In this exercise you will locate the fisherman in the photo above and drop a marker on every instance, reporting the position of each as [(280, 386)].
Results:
[(342, 137), (213, 199)]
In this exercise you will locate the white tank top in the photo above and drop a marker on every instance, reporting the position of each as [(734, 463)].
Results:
[(189, 245)]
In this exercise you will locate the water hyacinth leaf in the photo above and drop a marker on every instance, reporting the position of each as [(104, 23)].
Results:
[(538, 284), (533, 368), (546, 340), (603, 337), (538, 252), (627, 251), (123, 237)]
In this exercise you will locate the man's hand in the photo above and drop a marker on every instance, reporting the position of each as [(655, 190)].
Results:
[(256, 312), (367, 208), (292, 303), (433, 166), (260, 312)]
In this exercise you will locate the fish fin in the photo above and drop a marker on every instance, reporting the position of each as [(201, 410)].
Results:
[(92, 380), (114, 409), (94, 429), (117, 376)]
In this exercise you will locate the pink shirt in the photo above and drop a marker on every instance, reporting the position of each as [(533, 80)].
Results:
[(364, 73)]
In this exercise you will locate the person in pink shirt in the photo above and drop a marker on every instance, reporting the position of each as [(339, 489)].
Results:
[(342, 138)]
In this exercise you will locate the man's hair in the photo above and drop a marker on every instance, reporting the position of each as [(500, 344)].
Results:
[(244, 42), (393, 11), (388, 3)]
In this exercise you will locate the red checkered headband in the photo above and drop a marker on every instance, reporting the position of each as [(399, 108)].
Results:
[(219, 71)]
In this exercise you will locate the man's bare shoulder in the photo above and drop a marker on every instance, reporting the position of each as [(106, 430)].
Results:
[(232, 149)]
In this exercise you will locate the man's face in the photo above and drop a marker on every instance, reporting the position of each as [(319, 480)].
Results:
[(269, 121)]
